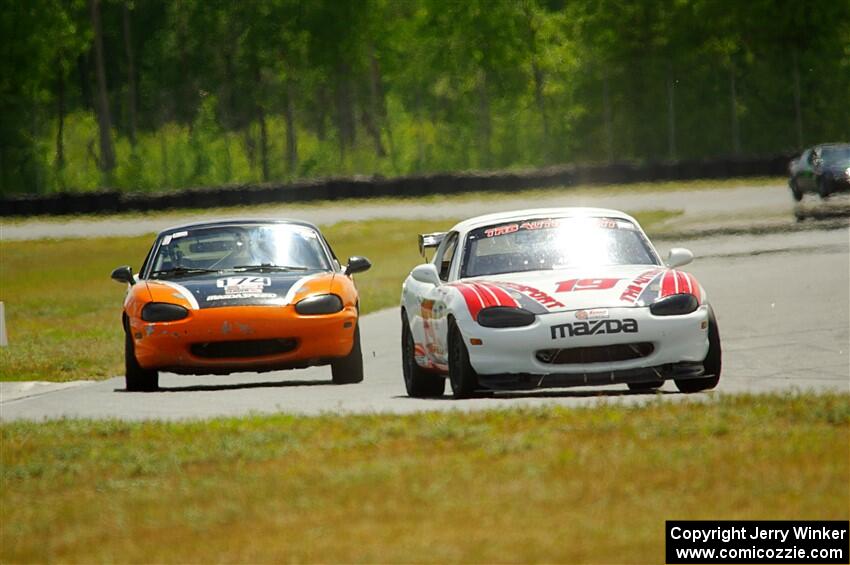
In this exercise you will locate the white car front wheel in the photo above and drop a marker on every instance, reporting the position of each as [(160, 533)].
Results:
[(463, 377), (712, 362), (418, 382)]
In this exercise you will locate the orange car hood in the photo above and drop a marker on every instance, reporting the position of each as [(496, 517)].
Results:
[(240, 289)]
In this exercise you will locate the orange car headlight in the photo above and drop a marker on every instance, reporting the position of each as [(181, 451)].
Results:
[(322, 304), (163, 312)]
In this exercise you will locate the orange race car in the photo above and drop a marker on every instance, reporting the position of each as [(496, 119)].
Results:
[(229, 296)]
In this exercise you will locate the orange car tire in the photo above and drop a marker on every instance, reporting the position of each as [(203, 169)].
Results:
[(349, 369), (137, 378)]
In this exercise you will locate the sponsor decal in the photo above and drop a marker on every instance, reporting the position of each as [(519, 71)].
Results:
[(243, 281), (540, 224), (549, 223), (212, 292), (655, 284), (242, 296), (501, 230), (586, 284), (599, 313), (428, 328), (537, 294), (597, 327), (529, 225), (421, 356), (427, 309), (243, 285), (636, 287)]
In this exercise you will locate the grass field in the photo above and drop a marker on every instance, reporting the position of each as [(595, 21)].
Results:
[(522, 485), (63, 311)]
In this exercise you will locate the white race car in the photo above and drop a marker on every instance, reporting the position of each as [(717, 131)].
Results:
[(554, 298)]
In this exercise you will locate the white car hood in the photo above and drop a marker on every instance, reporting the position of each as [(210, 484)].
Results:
[(578, 289)]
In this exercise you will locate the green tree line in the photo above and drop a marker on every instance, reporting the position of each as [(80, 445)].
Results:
[(159, 94)]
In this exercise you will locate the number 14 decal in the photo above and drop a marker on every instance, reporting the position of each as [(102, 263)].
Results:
[(586, 284)]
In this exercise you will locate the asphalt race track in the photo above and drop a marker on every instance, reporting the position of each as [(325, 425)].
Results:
[(781, 301)]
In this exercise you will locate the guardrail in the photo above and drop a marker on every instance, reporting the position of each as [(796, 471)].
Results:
[(414, 185)]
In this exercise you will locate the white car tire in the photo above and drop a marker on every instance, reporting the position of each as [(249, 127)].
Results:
[(712, 362), (463, 378)]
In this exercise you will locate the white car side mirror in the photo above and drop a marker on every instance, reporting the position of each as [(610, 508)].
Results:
[(426, 273), (678, 257)]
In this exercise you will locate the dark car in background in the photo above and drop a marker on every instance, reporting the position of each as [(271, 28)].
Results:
[(823, 169)]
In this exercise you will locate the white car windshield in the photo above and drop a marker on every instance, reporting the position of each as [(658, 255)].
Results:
[(240, 247), (554, 243)]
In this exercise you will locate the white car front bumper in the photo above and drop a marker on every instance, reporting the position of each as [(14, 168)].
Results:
[(592, 345)]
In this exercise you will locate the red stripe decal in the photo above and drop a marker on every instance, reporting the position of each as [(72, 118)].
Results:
[(668, 284), (695, 288), (486, 295), (689, 281), (684, 286), (473, 302), (503, 297), (481, 301)]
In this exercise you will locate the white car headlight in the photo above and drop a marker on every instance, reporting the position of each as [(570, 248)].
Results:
[(847, 173)]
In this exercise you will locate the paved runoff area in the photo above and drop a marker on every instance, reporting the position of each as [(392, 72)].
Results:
[(781, 302), (713, 206)]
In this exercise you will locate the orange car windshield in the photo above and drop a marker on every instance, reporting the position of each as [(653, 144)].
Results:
[(240, 247)]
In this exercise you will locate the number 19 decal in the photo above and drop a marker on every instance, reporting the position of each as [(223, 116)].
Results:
[(586, 284)]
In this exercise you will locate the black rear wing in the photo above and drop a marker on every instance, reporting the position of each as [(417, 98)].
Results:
[(430, 241)]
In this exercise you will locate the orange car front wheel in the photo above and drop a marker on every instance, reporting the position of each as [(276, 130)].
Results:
[(349, 369), (138, 379)]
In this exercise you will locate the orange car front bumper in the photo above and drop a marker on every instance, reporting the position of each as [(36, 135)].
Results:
[(243, 338)]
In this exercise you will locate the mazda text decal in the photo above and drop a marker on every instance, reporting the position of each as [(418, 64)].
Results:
[(574, 329)]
